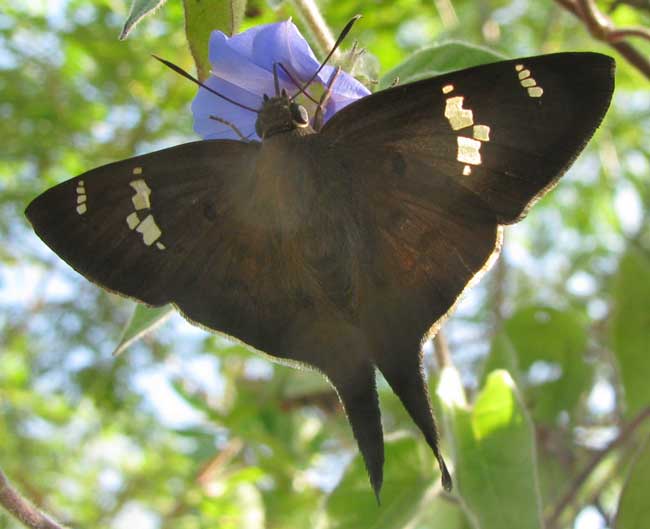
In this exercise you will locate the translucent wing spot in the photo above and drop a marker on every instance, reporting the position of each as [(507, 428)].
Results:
[(458, 117), (528, 82), (469, 151), (148, 228), (481, 132), (142, 193), (81, 198), (133, 220), (447, 88), (137, 170)]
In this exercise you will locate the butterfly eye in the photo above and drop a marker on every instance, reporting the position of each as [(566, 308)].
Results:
[(299, 115)]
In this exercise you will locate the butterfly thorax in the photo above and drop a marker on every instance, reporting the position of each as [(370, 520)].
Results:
[(297, 211), (280, 115)]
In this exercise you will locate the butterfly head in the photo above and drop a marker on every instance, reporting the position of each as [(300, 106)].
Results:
[(280, 114)]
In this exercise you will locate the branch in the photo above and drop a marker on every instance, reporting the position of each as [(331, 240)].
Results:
[(602, 28), (441, 350), (314, 20), (21, 509), (595, 460)]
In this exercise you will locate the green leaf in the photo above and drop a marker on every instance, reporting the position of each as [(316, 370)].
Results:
[(494, 445), (631, 329), (556, 340), (410, 473), (139, 10), (502, 356), (143, 321), (439, 59), (201, 18), (443, 513), (634, 508)]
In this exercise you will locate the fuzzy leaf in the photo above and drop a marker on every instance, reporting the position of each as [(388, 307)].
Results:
[(495, 461), (439, 59), (550, 346), (410, 473), (139, 10), (634, 508), (201, 18), (631, 329), (143, 321)]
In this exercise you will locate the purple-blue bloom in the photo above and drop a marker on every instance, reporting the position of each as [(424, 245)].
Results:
[(242, 69)]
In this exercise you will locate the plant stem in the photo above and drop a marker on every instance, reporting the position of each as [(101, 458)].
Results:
[(595, 460), (21, 509), (313, 19)]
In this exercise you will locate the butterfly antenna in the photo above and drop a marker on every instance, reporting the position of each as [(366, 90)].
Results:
[(296, 83), (182, 72), (342, 36)]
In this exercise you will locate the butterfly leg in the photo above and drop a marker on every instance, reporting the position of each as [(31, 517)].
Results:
[(402, 368), (318, 116), (338, 350), (232, 126)]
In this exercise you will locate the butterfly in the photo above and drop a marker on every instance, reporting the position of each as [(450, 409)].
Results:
[(342, 248)]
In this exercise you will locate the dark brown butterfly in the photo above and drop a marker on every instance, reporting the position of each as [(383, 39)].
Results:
[(341, 248)]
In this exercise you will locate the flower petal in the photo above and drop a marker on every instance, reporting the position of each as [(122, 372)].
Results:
[(206, 104), (242, 69)]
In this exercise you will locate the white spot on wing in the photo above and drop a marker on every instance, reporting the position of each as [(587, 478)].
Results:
[(149, 230), (81, 197), (137, 170), (133, 220), (447, 88), (469, 151), (142, 193), (458, 117), (142, 200), (481, 132), (528, 82)]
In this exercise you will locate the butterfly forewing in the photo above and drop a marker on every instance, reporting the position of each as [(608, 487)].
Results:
[(166, 226), (505, 131)]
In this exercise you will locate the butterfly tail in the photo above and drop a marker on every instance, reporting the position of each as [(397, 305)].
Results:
[(340, 351), (406, 378), (361, 404)]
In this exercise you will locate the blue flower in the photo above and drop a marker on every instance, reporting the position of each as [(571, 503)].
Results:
[(242, 69)]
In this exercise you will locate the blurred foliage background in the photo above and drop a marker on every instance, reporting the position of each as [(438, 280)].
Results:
[(187, 430)]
